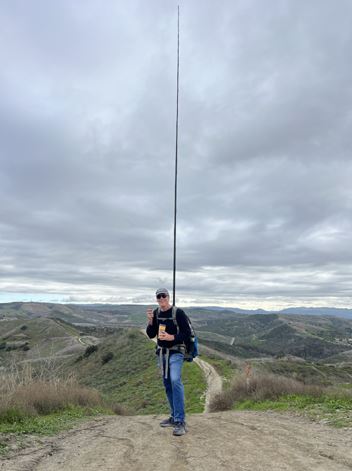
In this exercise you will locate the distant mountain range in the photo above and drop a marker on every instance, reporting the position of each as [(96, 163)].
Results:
[(134, 314), (311, 311)]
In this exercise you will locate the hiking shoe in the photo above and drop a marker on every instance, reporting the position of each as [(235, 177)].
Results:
[(179, 429), (167, 422)]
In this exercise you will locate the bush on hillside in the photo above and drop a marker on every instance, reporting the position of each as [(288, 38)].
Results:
[(107, 357), (132, 334), (118, 409), (89, 350)]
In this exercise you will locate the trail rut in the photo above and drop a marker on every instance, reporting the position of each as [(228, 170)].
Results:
[(214, 381)]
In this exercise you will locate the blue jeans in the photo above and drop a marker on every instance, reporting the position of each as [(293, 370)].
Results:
[(174, 387)]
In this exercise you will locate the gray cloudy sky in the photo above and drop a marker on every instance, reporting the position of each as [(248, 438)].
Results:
[(87, 138)]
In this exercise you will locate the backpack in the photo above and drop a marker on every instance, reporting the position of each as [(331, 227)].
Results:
[(191, 347)]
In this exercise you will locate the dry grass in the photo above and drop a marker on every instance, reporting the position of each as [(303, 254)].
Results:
[(118, 409), (339, 393), (25, 392), (44, 397), (261, 387)]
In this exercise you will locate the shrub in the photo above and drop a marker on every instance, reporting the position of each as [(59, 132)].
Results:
[(260, 388), (222, 401), (89, 350), (118, 409), (132, 335), (107, 357)]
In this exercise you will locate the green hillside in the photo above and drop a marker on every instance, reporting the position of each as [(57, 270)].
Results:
[(308, 372), (19, 310), (262, 335), (311, 348), (124, 369), (120, 363), (37, 339), (244, 335)]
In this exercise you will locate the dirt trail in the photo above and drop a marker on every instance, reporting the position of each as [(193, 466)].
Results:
[(238, 441), (214, 381)]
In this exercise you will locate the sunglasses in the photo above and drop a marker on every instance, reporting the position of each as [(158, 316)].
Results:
[(162, 295)]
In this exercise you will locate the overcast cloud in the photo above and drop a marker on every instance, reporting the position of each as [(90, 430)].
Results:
[(87, 144)]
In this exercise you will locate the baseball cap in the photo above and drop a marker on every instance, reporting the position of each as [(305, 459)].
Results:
[(162, 291)]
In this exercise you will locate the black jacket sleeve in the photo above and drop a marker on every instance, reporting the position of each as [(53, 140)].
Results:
[(152, 329), (184, 333)]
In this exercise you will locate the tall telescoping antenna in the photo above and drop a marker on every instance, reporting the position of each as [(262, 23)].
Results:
[(176, 155)]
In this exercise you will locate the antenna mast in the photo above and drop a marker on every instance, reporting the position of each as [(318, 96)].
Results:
[(176, 155)]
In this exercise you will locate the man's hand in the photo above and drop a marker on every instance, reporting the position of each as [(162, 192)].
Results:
[(150, 315), (166, 336)]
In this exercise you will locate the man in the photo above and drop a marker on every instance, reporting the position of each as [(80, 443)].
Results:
[(170, 348)]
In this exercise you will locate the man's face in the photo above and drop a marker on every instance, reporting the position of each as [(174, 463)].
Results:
[(163, 300)]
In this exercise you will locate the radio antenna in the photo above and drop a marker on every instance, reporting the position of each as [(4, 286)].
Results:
[(176, 155)]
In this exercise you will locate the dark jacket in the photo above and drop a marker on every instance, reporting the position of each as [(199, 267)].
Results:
[(183, 335)]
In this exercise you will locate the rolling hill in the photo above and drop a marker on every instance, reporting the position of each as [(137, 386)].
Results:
[(120, 362), (260, 335), (309, 347)]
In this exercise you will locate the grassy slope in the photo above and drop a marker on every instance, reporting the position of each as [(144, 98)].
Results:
[(43, 338), (49, 424), (261, 335), (132, 378), (32, 310), (308, 372)]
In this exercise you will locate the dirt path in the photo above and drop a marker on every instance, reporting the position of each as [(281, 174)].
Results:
[(214, 381), (238, 441)]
